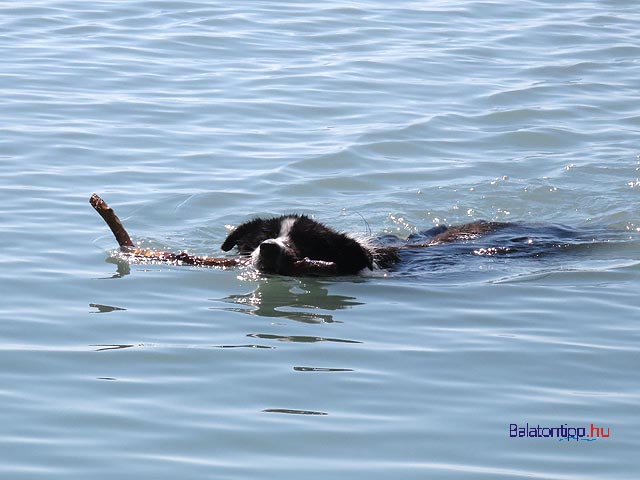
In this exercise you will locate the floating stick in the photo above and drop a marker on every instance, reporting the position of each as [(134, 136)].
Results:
[(304, 267), (129, 249), (114, 223)]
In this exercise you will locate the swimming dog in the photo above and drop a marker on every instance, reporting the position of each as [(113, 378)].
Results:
[(276, 245), (297, 245), (294, 244)]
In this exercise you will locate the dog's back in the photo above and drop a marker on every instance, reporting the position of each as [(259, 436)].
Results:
[(299, 245)]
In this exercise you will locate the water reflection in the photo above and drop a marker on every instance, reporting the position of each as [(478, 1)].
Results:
[(303, 300), (243, 346), (102, 348), (123, 268), (321, 369), (290, 411), (104, 308), (299, 338)]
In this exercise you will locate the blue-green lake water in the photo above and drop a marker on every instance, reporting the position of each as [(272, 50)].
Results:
[(382, 117)]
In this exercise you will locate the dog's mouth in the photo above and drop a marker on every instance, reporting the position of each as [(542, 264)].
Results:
[(275, 256)]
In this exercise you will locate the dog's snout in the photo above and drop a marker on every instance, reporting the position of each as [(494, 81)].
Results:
[(270, 249), (274, 256)]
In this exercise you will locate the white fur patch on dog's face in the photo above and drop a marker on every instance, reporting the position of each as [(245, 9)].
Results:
[(282, 240), (286, 226)]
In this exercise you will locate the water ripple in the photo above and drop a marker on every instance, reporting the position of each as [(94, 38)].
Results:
[(193, 116)]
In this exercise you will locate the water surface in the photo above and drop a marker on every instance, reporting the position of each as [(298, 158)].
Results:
[(374, 117)]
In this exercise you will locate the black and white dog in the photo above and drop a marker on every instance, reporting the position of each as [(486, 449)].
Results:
[(278, 244), (299, 245)]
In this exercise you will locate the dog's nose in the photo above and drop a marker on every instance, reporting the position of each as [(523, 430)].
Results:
[(275, 257), (270, 249)]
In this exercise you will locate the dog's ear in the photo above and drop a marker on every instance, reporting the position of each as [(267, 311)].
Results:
[(232, 239), (242, 236), (249, 235)]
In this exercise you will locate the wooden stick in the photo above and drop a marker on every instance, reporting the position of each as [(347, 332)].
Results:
[(138, 254), (183, 258), (114, 223), (308, 267), (304, 267)]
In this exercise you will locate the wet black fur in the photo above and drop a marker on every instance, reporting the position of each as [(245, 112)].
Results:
[(249, 235), (306, 239)]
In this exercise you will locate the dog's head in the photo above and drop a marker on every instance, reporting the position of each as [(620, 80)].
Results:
[(276, 244)]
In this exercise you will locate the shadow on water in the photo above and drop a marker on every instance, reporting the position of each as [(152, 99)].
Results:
[(105, 308), (304, 300), (104, 348), (293, 412), (123, 268)]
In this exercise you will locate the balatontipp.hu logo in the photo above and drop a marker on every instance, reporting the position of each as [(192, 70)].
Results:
[(562, 433)]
